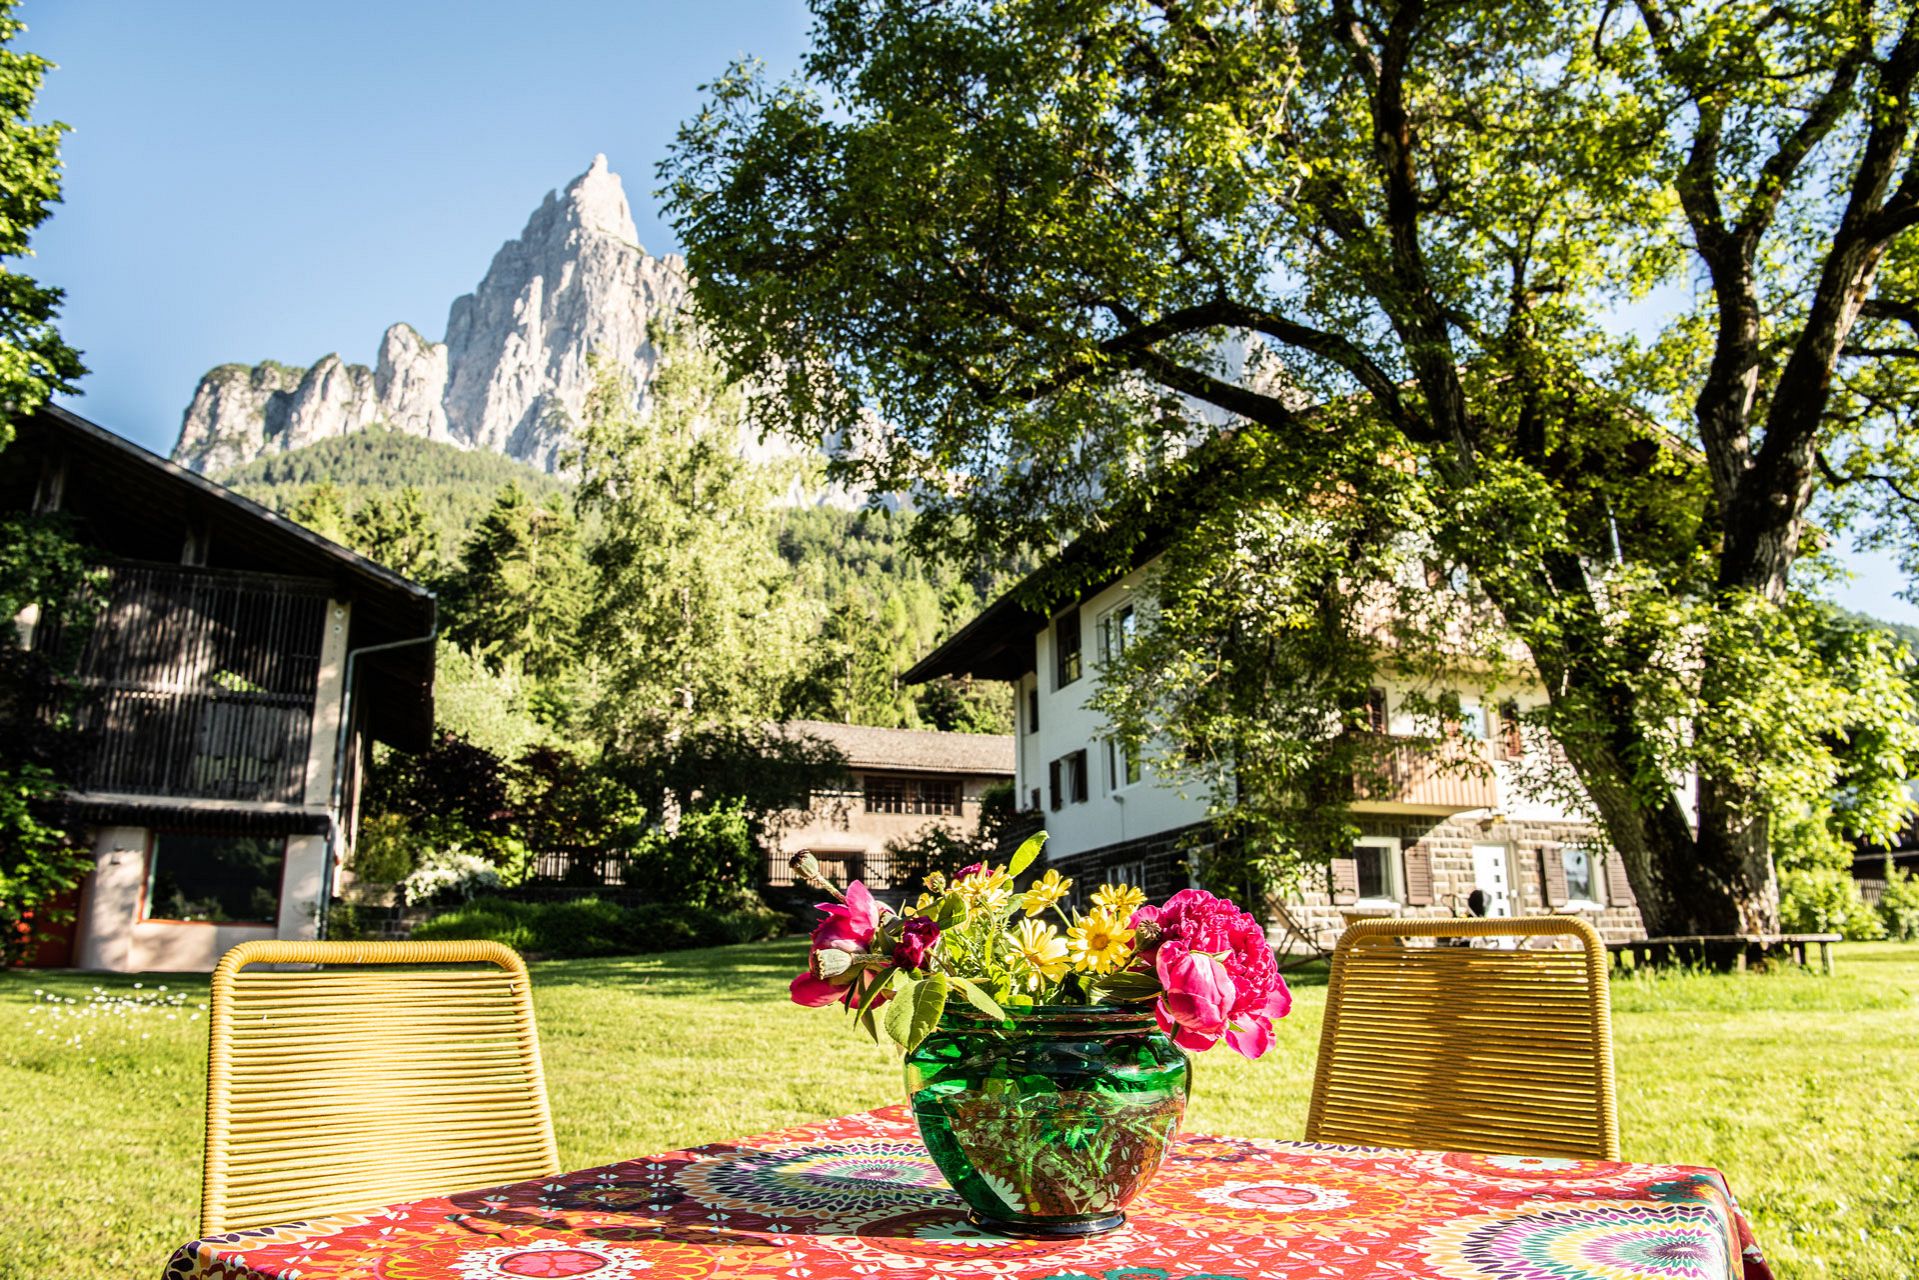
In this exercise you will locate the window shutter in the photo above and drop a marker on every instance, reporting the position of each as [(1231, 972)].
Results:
[(1079, 777), (1555, 877), (1618, 886), (1052, 783), (1419, 876), (1345, 880)]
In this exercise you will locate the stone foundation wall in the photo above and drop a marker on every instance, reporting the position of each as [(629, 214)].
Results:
[(1314, 921)]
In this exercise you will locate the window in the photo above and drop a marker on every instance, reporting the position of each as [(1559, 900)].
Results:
[(1032, 707), (1116, 628), (1377, 863), (1582, 874), (1122, 765), (1066, 667), (1508, 742), (1375, 710), (1066, 777), (216, 878), (1034, 806), (928, 796)]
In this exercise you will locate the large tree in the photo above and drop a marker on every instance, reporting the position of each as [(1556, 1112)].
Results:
[(41, 569), (1025, 256)]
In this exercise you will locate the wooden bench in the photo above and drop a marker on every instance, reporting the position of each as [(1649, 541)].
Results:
[(1724, 951)]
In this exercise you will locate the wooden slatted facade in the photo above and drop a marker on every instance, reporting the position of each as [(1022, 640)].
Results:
[(200, 683)]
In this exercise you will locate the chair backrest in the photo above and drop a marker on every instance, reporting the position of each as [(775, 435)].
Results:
[(1464, 1048), (363, 1084)]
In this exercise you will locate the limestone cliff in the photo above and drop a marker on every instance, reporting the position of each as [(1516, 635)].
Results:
[(511, 375)]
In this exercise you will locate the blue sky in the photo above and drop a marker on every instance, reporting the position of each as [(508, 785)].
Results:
[(261, 180)]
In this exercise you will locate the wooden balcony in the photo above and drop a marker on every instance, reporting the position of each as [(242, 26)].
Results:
[(1415, 777), (197, 683)]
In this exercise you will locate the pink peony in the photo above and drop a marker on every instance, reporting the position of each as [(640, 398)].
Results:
[(1196, 996), (916, 940), (1198, 923), (849, 926)]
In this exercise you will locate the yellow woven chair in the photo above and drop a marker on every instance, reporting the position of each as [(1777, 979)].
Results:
[(361, 1085), (1468, 1048)]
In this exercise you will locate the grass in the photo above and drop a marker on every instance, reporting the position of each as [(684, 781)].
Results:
[(1804, 1090)]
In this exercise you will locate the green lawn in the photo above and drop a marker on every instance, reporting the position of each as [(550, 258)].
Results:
[(1804, 1090)]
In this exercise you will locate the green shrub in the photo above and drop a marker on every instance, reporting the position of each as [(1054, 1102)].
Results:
[(1899, 905), (581, 927), (1826, 900)]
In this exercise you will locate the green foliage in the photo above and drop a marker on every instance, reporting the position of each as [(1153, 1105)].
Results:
[(44, 574), (397, 532), (455, 486), (1826, 900), (707, 859), (35, 363), (1033, 262), (1899, 904), (516, 596), (582, 927), (692, 619)]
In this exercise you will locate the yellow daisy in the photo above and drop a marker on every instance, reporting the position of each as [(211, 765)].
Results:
[(1046, 890), (989, 888), (1039, 953), (1120, 899), (1100, 943)]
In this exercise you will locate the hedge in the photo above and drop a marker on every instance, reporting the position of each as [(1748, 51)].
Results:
[(581, 927)]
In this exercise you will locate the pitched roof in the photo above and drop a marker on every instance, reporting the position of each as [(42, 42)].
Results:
[(132, 503), (913, 750)]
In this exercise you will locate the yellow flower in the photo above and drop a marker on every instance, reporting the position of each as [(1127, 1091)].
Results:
[(1039, 953), (1100, 943), (1120, 899), (1046, 890), (989, 888)]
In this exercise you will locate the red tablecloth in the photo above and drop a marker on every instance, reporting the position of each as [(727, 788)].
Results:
[(857, 1197)]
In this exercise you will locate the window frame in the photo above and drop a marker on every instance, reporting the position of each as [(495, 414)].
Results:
[(151, 879), (1390, 849), (1595, 897), (1122, 620), (1065, 658), (1122, 761)]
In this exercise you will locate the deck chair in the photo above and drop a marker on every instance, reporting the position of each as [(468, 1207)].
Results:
[(363, 1083), (1468, 1048)]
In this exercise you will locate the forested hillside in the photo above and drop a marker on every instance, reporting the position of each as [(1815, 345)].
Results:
[(455, 485)]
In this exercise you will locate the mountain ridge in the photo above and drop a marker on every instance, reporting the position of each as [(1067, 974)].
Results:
[(511, 375)]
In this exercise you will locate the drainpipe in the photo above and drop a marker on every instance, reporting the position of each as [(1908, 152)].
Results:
[(342, 735)]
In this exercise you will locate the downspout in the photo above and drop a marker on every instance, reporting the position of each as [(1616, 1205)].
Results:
[(341, 736)]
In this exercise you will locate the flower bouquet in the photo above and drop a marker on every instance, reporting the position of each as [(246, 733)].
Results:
[(1049, 1090)]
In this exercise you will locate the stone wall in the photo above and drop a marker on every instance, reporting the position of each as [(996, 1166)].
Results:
[(1314, 921)]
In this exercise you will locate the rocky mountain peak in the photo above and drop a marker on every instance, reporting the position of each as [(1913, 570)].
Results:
[(511, 375)]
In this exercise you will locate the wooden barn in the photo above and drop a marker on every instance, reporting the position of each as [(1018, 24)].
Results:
[(237, 670)]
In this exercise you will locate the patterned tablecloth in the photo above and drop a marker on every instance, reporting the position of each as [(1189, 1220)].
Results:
[(858, 1197)]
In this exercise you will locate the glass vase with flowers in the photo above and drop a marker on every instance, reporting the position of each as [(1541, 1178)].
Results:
[(1046, 1044)]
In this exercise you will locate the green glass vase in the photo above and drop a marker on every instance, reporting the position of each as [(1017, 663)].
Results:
[(1049, 1123)]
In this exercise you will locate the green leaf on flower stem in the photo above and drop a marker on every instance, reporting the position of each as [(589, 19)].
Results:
[(916, 1010), (1028, 851), (864, 1015), (977, 997), (1129, 984), (949, 911)]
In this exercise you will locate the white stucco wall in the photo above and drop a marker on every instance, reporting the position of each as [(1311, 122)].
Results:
[(1153, 804)]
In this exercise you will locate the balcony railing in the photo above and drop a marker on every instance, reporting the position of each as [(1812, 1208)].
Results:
[(1413, 775), (198, 683)]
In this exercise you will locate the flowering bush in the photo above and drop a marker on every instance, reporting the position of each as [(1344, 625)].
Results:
[(448, 873), (1201, 963)]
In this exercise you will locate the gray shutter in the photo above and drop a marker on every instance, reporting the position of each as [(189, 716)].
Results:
[(1345, 880), (1555, 877), (1618, 885), (1052, 782), (1419, 876)]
